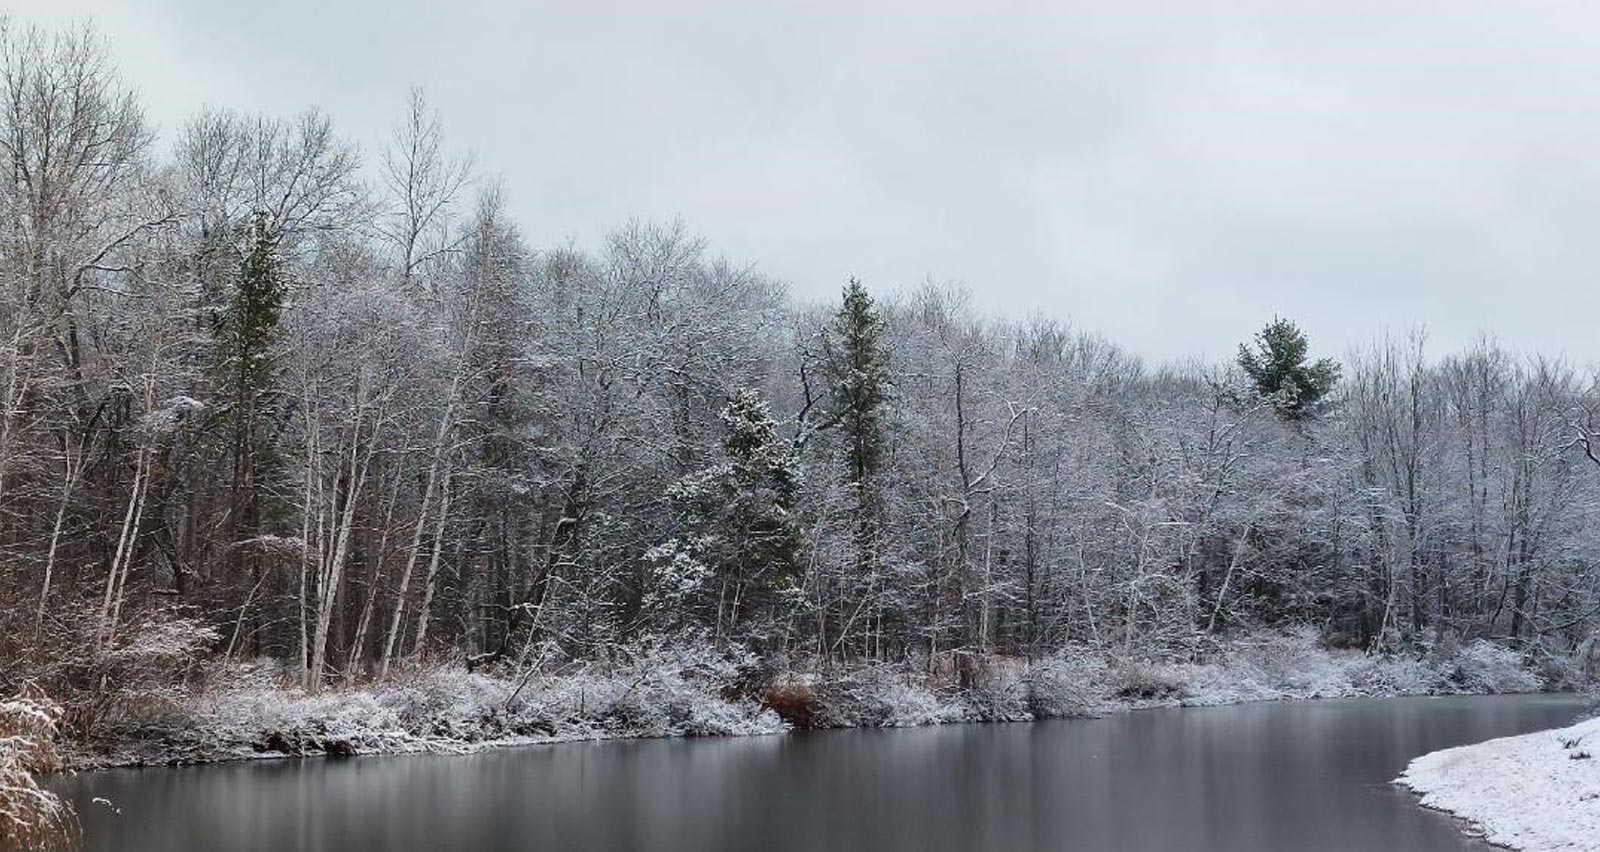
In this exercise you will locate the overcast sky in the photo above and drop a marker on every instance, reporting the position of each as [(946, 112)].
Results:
[(1169, 174)]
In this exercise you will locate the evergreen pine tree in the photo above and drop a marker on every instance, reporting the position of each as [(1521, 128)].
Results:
[(1278, 370), (247, 339), (736, 544), (757, 499), (856, 367)]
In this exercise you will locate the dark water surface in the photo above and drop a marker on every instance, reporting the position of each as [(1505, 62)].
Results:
[(1257, 778)]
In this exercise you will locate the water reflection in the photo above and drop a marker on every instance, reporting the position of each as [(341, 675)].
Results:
[(1306, 776)]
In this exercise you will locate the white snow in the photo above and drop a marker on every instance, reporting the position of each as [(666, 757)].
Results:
[(1537, 792)]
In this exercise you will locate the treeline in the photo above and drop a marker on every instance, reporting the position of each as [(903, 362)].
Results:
[(266, 394)]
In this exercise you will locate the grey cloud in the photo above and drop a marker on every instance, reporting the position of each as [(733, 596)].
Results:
[(1171, 174)]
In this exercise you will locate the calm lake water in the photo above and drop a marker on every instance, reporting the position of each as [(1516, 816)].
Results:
[(1267, 777)]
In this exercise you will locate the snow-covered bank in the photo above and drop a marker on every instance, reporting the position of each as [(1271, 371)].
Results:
[(1538, 792), (1267, 666), (252, 711)]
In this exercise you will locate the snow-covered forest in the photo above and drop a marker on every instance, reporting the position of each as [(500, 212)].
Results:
[(276, 399)]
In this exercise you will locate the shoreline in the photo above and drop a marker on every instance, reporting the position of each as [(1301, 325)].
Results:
[(448, 711), (462, 748)]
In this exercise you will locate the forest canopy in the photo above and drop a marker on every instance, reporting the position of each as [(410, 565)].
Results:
[(263, 396)]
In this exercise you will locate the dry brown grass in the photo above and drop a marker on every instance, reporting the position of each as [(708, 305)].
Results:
[(795, 703), (31, 818)]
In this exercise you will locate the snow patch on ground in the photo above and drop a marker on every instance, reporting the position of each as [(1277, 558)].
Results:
[(1538, 792)]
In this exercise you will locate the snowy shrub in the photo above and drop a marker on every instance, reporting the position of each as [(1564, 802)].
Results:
[(1558, 668), (877, 697), (1293, 664), (449, 702), (1143, 680), (686, 691), (31, 818), (710, 716), (908, 704), (1395, 675), (145, 673), (996, 700), (1069, 685), (1218, 682), (654, 692), (1266, 666), (850, 700), (998, 692), (892, 696), (335, 722), (1586, 660), (1483, 666)]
